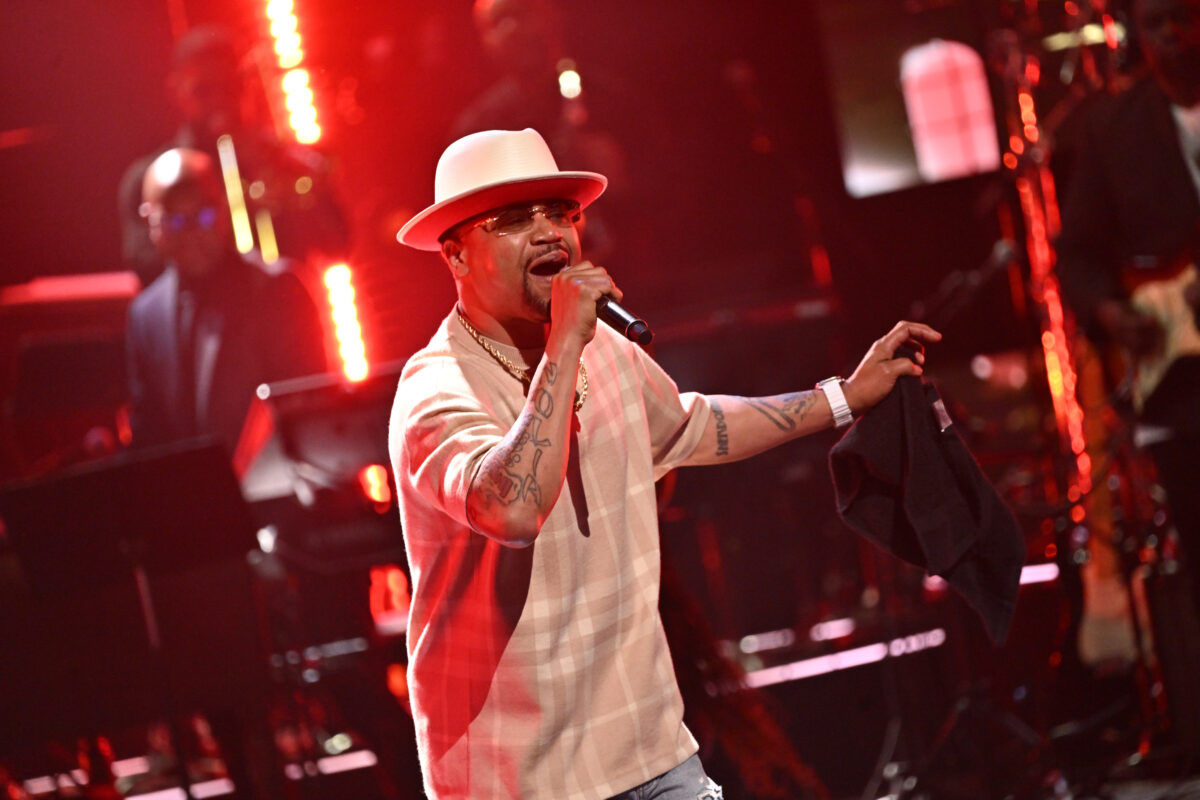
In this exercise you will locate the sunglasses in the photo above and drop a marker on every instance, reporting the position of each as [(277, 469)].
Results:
[(202, 219), (518, 219)]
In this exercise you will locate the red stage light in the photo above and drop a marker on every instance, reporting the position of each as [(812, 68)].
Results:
[(283, 25), (289, 49), (294, 79), (339, 284), (301, 98), (374, 482), (389, 598), (277, 8)]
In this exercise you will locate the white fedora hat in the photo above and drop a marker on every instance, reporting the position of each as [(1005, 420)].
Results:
[(491, 169)]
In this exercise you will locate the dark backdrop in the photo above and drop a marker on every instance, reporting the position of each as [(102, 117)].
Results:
[(690, 87)]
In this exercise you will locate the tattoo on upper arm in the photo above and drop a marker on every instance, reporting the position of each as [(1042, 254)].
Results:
[(516, 478), (786, 410), (722, 430)]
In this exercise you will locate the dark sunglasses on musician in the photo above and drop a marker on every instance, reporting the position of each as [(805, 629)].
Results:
[(201, 219)]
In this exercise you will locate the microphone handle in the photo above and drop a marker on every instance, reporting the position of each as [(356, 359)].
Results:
[(627, 324)]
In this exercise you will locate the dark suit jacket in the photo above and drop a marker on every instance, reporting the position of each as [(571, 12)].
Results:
[(1131, 196), (253, 327)]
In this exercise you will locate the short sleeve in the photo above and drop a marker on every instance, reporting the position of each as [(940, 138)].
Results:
[(675, 420), (439, 434)]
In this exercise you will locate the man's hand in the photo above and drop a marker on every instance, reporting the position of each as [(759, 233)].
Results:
[(876, 374), (574, 293)]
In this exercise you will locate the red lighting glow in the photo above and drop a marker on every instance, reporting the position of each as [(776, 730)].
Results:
[(339, 284), (374, 482), (294, 82), (397, 682), (390, 598), (1112, 37), (1040, 206)]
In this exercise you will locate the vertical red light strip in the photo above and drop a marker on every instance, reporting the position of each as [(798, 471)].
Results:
[(1039, 204), (339, 284), (293, 77), (1112, 37)]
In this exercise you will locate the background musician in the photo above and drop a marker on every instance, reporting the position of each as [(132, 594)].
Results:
[(1126, 255)]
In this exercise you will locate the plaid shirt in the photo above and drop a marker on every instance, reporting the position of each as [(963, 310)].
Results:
[(540, 672)]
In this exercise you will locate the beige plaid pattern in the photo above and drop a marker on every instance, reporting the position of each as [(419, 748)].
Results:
[(540, 672)]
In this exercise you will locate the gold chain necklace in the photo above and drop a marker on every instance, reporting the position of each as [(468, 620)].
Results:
[(517, 372)]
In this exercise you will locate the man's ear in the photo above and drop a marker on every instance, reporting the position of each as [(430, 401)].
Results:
[(147, 211), (455, 257)]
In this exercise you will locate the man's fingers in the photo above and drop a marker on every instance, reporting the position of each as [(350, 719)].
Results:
[(586, 272), (911, 333), (920, 330), (903, 366), (912, 330), (595, 278)]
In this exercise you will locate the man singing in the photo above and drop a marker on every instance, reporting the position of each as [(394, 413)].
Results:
[(525, 441)]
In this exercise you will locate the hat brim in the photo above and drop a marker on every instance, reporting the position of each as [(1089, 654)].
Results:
[(423, 231)]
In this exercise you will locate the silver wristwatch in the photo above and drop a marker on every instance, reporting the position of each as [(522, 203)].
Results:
[(832, 387)]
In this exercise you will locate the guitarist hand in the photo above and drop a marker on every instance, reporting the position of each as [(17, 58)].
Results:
[(1140, 333)]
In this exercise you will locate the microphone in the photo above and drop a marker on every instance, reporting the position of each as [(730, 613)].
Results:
[(634, 329)]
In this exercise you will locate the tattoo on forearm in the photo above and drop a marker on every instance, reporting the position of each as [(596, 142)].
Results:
[(786, 410), (722, 430), (514, 481), (798, 404), (777, 417)]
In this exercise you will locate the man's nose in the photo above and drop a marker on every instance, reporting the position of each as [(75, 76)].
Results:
[(543, 228)]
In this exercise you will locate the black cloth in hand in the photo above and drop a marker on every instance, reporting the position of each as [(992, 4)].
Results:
[(905, 480)]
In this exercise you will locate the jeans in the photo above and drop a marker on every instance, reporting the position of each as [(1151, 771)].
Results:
[(685, 782)]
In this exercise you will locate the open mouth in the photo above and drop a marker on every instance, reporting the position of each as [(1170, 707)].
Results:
[(549, 264)]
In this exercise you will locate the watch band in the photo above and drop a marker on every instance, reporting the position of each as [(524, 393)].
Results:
[(832, 387)]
